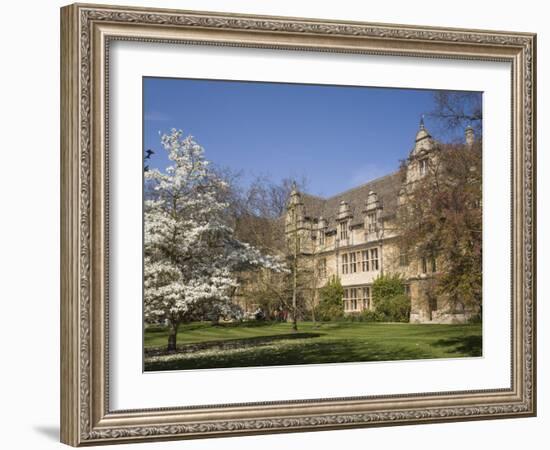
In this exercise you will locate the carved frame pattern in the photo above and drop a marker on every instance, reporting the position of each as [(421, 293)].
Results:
[(86, 33)]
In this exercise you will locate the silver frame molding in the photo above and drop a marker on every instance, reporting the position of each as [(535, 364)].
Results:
[(86, 32)]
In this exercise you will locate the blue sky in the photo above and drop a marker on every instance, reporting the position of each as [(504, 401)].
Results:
[(336, 136)]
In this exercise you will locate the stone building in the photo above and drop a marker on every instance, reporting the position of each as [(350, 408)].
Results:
[(353, 235)]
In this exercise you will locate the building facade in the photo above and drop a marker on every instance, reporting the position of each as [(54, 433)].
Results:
[(353, 235)]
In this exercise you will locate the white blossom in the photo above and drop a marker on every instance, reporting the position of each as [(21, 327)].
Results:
[(191, 255)]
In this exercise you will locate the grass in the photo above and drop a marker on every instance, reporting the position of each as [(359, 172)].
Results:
[(202, 346)]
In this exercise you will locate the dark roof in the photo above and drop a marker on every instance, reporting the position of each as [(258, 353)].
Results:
[(386, 188)]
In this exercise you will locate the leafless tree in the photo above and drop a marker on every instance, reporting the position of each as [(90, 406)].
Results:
[(458, 109), (257, 214)]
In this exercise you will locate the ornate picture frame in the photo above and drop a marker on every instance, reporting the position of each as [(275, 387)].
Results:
[(87, 31)]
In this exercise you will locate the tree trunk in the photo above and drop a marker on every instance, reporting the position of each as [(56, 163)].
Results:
[(313, 300), (172, 336), (295, 286), (313, 293), (295, 275)]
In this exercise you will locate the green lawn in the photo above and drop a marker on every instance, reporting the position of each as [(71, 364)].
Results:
[(201, 345)]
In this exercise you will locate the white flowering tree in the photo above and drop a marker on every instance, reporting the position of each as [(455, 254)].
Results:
[(191, 255)]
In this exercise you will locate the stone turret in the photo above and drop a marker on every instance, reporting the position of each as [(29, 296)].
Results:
[(423, 142), (295, 197), (295, 210), (469, 136), (422, 154)]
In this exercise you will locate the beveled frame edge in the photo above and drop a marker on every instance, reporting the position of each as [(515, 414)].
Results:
[(85, 33)]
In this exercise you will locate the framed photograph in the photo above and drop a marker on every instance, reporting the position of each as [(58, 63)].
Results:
[(274, 224)]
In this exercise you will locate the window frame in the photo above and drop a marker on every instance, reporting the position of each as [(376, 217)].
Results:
[(344, 236), (322, 267), (365, 260), (345, 264), (321, 240), (352, 262), (423, 166), (375, 266), (372, 222)]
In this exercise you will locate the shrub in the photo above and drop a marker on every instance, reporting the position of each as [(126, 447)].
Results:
[(390, 302), (395, 309), (353, 317), (387, 286), (475, 319), (330, 300), (369, 315)]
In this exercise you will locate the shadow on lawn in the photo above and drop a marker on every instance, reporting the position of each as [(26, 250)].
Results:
[(229, 344), (297, 353), (467, 345), (246, 324), (209, 325)]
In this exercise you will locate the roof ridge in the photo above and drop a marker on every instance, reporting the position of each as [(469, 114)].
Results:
[(363, 185), (396, 172), (312, 195)]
